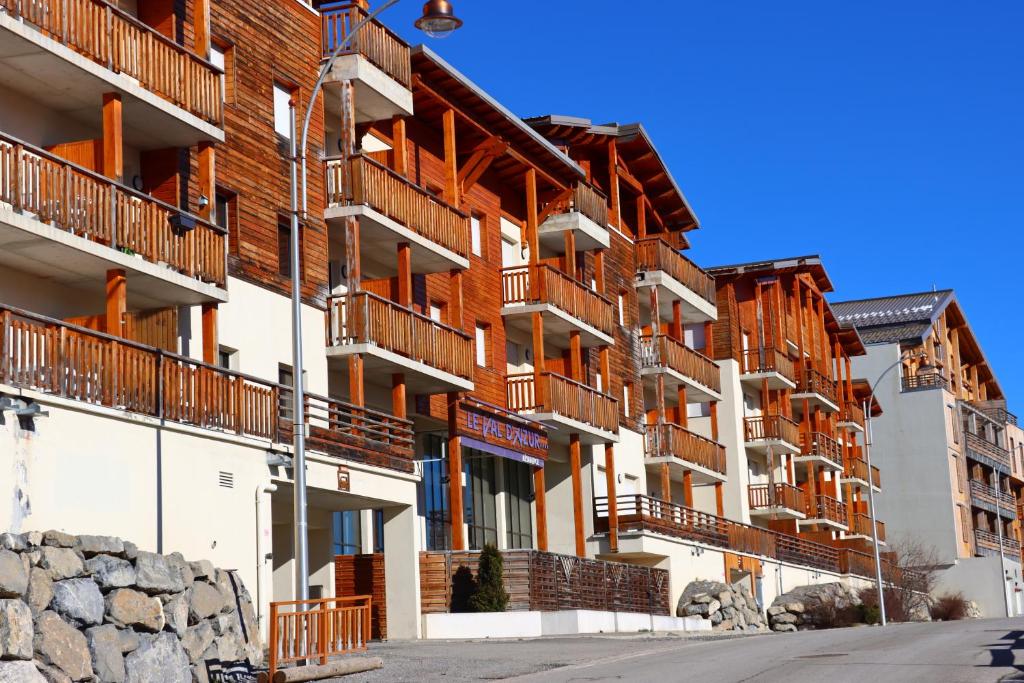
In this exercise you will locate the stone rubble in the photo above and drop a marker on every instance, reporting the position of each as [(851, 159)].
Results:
[(791, 611), (728, 608), (97, 609)]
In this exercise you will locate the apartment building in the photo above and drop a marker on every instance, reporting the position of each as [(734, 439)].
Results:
[(949, 447)]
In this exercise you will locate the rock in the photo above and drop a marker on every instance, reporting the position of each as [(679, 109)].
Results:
[(91, 546), (696, 609), (61, 563), (130, 608), (205, 601), (775, 609), (13, 542), (111, 572), (40, 590), (13, 575), (973, 611), (78, 600), (32, 538), (105, 650), (176, 613), (740, 621), (58, 539), (750, 616), (203, 570), (795, 607), (227, 589), (784, 628), (728, 612), (131, 551), (701, 598), (725, 597), (716, 618), (714, 606), (52, 674), (20, 672), (159, 658), (60, 644), (155, 574), (726, 625), (128, 640), (177, 562), (196, 640), (784, 618), (15, 630)]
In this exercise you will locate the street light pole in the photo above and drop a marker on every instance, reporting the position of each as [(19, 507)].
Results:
[(1002, 554)]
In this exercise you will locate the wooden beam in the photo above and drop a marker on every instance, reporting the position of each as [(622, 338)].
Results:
[(576, 468), (455, 472), (623, 172), (210, 346), (537, 324), (117, 301), (570, 252), (615, 213), (113, 141), (666, 483), (688, 487), (399, 146), (207, 180), (575, 357), (356, 386), (554, 202), (455, 300), (451, 164), (405, 274), (398, 396), (532, 237), (480, 160), (613, 503), (201, 27), (719, 502), (540, 502)]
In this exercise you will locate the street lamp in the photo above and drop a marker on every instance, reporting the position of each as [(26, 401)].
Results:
[(438, 20), (871, 490)]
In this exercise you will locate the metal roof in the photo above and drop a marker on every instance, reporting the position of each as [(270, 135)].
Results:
[(811, 263), (890, 319)]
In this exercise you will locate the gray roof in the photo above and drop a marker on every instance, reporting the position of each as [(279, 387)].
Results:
[(890, 319)]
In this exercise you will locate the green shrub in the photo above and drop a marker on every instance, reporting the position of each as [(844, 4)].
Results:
[(490, 595)]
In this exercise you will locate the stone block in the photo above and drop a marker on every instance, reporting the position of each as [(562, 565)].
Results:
[(13, 575), (105, 650), (110, 572), (16, 630), (159, 658), (61, 563), (60, 644), (130, 608), (79, 601)]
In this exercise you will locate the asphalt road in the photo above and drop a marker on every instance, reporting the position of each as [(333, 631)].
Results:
[(950, 652)]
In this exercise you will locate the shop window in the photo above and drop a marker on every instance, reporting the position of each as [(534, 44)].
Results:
[(434, 494), (519, 493), (347, 532), (481, 499)]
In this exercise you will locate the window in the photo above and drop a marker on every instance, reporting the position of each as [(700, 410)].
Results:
[(959, 473), (286, 378), (225, 214), (483, 332), (965, 523), (378, 530), (227, 358), (222, 55), (627, 392), (474, 235), (481, 498), (434, 494), (436, 311), (284, 249), (282, 111), (348, 532), (519, 491), (622, 308)]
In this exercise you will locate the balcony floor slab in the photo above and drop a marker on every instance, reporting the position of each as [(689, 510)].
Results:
[(695, 392), (854, 426), (815, 400), (777, 446), (677, 466), (588, 234), (775, 380), (377, 95), (695, 308), (560, 427), (857, 481), (821, 521), (420, 378), (557, 325), (776, 512), (818, 460)]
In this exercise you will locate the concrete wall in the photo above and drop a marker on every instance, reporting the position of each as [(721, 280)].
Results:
[(730, 435), (980, 579)]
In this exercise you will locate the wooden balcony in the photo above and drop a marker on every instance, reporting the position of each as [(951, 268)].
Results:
[(566, 304), (988, 544), (776, 501), (66, 224), (392, 210), (860, 527), (584, 211), (659, 264), (988, 498), (72, 362), (820, 448), (378, 63), (775, 432), (825, 511), (856, 472), (852, 417), (84, 48), (685, 451), (931, 380), (817, 389), (391, 338), (986, 452), (567, 405), (856, 563), (680, 365), (767, 364)]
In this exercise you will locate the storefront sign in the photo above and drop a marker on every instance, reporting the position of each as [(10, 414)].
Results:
[(504, 435)]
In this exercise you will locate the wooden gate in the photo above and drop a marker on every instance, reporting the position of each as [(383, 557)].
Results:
[(364, 575)]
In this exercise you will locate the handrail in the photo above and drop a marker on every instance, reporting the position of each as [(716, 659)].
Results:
[(980, 489), (827, 507), (821, 445), (768, 359), (539, 283), (48, 355), (771, 426), (587, 200), (861, 526), (991, 540), (654, 253), (669, 439), (814, 381), (982, 447), (122, 43), (857, 468), (780, 495), (931, 380), (375, 41), (317, 629), (681, 358), (853, 414), (562, 396)]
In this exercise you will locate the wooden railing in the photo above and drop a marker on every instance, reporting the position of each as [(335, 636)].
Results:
[(861, 526), (118, 41), (547, 582), (374, 41), (73, 362), (983, 447), (931, 380), (990, 495), (541, 283), (826, 507), (640, 513), (654, 253), (587, 200), (779, 495), (365, 318), (562, 396), (363, 181), (78, 201), (760, 361), (668, 352), (857, 468), (668, 439), (852, 414), (856, 563), (821, 445), (990, 541), (813, 381), (773, 427), (314, 630)]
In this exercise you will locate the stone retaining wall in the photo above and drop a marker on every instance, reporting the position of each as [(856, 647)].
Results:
[(728, 608)]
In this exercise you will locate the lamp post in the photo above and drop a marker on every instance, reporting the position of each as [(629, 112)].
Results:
[(437, 21), (871, 490)]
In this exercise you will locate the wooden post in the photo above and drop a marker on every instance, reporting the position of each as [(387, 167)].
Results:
[(539, 496), (575, 356), (613, 503), (614, 215), (117, 301), (455, 472), (398, 403), (570, 253), (210, 346), (405, 274), (201, 26), (539, 395), (641, 218), (451, 165), (207, 180), (455, 300), (719, 502), (399, 148), (688, 487), (356, 392), (113, 143), (576, 467), (666, 483)]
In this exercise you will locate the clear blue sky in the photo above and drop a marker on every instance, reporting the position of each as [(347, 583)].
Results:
[(886, 136)]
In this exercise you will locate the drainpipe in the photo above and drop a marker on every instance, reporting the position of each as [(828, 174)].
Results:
[(261, 555)]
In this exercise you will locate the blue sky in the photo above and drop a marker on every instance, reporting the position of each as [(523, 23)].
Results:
[(886, 136)]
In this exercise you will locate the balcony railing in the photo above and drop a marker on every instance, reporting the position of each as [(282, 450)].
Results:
[(771, 427), (787, 496), (365, 318), (670, 353), (857, 563), (562, 396), (78, 201), (118, 41), (761, 361), (812, 381), (822, 446), (979, 446), (856, 468), (668, 439), (826, 507), (993, 497), (654, 253), (990, 541), (73, 362), (853, 414), (861, 526), (587, 200), (541, 283), (932, 380), (374, 41), (363, 181)]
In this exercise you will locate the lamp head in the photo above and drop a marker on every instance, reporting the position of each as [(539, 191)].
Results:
[(438, 20)]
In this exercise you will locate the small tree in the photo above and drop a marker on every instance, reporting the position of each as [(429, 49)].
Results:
[(910, 575), (490, 594)]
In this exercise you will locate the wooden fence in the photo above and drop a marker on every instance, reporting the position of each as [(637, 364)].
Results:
[(315, 630), (364, 575), (780, 495)]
